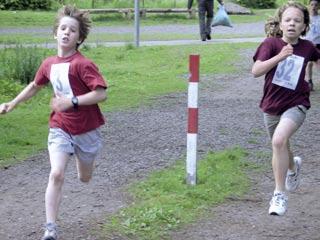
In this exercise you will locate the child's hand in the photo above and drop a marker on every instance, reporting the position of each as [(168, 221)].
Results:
[(286, 51), (6, 107), (3, 108), (60, 103)]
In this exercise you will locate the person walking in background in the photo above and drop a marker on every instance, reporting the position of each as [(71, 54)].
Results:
[(76, 118), (313, 35), (285, 98), (205, 12)]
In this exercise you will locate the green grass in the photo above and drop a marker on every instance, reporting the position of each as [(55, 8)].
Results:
[(23, 131), (29, 19), (163, 202), (134, 75)]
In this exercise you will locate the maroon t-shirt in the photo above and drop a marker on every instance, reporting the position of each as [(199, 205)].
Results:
[(277, 99), (72, 76)]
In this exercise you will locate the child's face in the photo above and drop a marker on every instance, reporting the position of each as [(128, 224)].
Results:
[(68, 33), (292, 23), (313, 7)]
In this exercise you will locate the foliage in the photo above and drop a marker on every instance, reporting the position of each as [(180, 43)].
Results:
[(163, 201), (257, 3), (9, 89), (25, 4), (125, 3), (20, 63)]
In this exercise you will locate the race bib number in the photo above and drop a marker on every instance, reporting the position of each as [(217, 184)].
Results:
[(59, 77), (288, 72)]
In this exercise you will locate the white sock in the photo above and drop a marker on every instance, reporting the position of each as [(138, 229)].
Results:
[(291, 172)]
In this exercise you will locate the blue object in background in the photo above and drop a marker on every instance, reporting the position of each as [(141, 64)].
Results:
[(221, 18)]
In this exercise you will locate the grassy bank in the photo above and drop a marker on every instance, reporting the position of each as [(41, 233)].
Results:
[(163, 202)]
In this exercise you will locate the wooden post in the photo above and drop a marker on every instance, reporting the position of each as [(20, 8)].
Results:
[(137, 23)]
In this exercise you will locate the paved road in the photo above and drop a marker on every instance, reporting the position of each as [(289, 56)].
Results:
[(239, 30)]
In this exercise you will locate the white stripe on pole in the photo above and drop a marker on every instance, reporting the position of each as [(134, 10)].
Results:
[(193, 95), (192, 158)]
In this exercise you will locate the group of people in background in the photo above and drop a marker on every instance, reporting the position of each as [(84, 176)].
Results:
[(286, 58)]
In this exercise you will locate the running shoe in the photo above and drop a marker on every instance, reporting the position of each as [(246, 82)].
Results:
[(278, 204), (293, 179), (50, 232)]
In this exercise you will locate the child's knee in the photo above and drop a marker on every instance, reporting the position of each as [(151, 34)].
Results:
[(56, 176), (279, 142)]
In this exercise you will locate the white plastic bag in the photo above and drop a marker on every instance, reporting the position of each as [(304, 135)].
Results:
[(221, 18)]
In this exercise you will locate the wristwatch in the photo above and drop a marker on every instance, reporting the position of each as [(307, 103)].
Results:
[(75, 102)]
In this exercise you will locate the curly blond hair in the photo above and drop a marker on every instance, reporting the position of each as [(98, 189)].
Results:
[(272, 27)]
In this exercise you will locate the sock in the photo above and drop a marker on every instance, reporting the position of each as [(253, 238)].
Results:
[(291, 172)]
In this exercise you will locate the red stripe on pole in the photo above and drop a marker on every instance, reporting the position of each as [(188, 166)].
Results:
[(194, 68), (192, 120)]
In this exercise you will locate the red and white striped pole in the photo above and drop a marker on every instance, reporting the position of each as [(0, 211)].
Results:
[(192, 119)]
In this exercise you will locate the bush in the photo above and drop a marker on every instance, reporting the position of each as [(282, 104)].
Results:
[(257, 3), (25, 4), (20, 64)]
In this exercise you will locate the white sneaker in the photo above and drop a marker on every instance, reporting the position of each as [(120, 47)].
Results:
[(278, 204), (51, 232), (293, 179)]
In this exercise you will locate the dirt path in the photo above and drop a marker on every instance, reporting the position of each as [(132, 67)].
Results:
[(139, 141)]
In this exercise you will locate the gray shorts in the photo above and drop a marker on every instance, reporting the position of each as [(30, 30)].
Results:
[(296, 114), (85, 146)]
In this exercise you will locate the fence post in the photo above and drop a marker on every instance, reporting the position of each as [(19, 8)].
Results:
[(192, 133)]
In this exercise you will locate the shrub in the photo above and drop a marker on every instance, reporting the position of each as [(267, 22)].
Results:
[(20, 64), (25, 4), (257, 3)]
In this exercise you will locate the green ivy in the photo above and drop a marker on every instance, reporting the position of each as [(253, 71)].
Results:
[(262, 4), (25, 4)]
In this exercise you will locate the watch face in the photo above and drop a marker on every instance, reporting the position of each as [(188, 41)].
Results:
[(75, 102)]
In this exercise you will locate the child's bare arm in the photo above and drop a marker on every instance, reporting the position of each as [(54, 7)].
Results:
[(23, 96), (260, 68), (61, 103)]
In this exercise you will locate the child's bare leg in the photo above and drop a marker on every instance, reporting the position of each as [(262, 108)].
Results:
[(85, 169), (58, 162), (282, 156)]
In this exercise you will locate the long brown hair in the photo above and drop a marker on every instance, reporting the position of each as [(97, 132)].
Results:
[(301, 7)]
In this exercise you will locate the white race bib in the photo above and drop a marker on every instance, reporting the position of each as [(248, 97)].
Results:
[(59, 78), (288, 72)]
